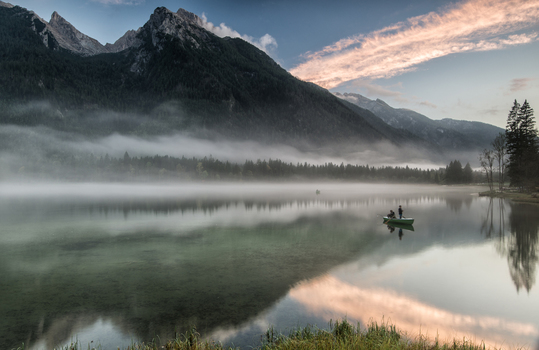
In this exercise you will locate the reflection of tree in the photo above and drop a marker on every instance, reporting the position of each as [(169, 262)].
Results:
[(521, 246), (488, 226), (456, 202)]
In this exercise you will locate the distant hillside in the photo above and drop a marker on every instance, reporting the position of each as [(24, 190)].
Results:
[(448, 134)]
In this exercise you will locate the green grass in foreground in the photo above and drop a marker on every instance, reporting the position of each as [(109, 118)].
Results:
[(341, 336)]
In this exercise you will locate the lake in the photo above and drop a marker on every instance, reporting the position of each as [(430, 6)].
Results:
[(111, 264)]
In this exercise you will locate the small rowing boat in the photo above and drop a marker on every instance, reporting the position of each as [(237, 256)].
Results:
[(404, 221), (401, 226)]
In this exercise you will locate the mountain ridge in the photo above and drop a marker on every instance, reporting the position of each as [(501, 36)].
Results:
[(446, 133)]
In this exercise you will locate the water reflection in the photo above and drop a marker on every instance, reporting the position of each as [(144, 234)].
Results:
[(152, 283), (330, 297), (135, 266), (522, 248), (518, 242), (455, 203)]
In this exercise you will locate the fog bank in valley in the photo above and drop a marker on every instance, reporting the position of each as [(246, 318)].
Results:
[(20, 146)]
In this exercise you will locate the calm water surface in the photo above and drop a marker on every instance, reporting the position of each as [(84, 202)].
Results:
[(112, 264)]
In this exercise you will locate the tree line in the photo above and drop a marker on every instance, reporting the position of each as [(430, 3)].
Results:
[(515, 154), (88, 167)]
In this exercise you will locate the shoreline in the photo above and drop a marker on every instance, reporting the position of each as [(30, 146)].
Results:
[(340, 335), (518, 197)]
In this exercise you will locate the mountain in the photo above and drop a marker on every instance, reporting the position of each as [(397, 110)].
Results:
[(59, 33), (172, 74), (447, 133)]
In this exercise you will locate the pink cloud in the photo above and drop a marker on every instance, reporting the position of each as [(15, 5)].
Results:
[(475, 25), (519, 84)]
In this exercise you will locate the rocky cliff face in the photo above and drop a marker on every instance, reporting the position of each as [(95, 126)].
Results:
[(59, 33), (129, 39), (181, 25), (71, 39), (164, 25)]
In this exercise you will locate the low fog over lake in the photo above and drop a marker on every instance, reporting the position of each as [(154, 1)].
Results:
[(113, 263), (41, 152)]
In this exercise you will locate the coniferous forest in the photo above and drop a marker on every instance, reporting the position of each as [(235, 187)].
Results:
[(514, 155), (88, 167)]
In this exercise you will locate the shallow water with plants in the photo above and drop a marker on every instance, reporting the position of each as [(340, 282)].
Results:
[(112, 264)]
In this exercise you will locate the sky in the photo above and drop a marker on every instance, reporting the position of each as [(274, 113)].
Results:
[(465, 60)]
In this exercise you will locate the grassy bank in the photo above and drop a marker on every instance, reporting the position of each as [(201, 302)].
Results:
[(340, 336), (514, 196)]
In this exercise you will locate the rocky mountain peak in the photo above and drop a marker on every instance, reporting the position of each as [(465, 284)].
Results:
[(55, 17), (189, 16), (163, 25), (71, 39), (182, 25)]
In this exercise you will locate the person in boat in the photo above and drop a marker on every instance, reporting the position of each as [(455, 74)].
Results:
[(400, 212), (391, 214)]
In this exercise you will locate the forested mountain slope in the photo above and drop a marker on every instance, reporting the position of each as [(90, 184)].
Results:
[(174, 76)]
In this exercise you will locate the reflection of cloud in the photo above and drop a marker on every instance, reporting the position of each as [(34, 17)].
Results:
[(332, 298), (86, 327), (476, 25)]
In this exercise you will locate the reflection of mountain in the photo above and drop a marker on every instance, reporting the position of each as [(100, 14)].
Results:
[(155, 283), (520, 247)]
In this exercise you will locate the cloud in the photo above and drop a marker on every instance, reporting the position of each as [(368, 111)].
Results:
[(377, 90), (519, 84), (266, 43), (476, 25), (428, 104)]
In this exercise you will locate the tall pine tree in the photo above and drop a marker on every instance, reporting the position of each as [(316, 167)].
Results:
[(522, 146)]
